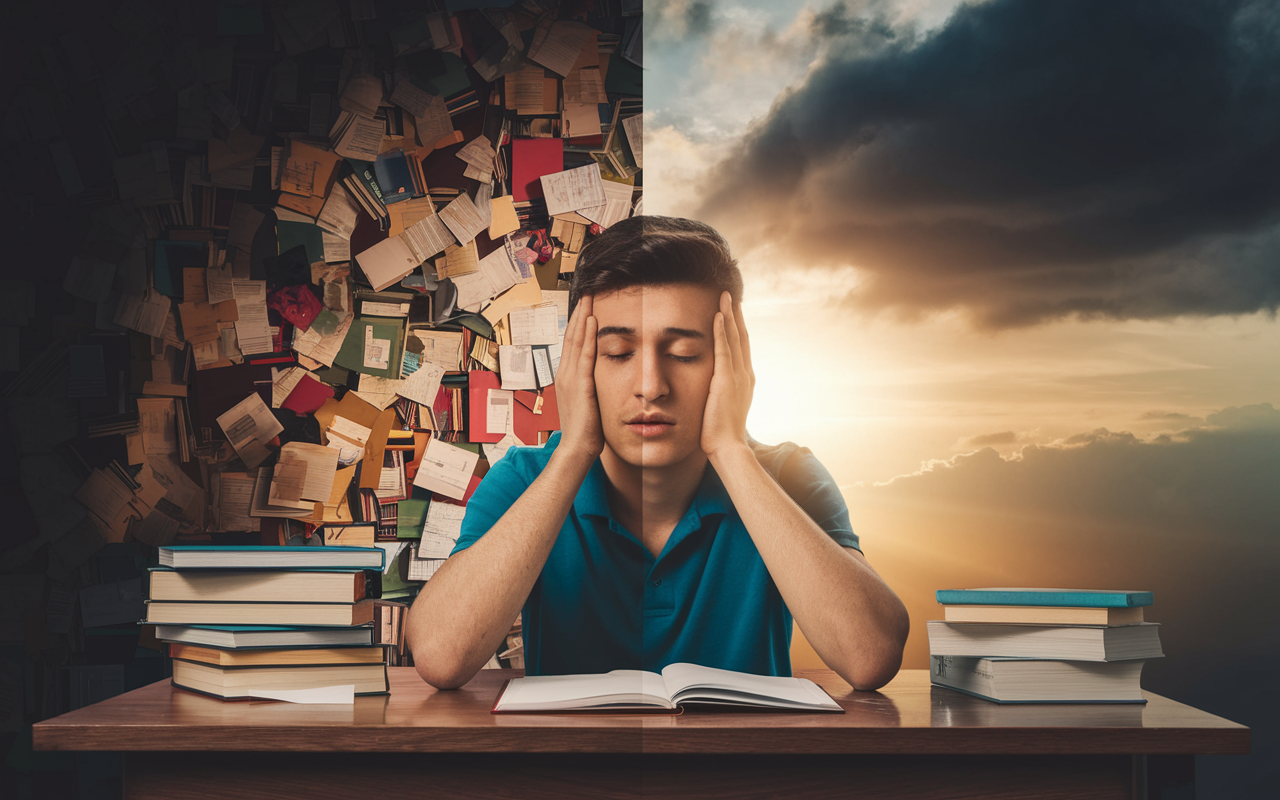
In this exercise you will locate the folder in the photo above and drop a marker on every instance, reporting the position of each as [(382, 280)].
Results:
[(479, 382), (528, 424)]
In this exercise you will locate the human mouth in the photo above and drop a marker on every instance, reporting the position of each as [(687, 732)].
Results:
[(650, 426)]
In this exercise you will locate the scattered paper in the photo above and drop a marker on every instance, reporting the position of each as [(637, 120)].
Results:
[(377, 352), (534, 325), (235, 496), (339, 213), (319, 466), (556, 44), (253, 331), (515, 363), (633, 126), (446, 469), (249, 425), (496, 451), (157, 419), (442, 529), (498, 411), (505, 219), (462, 218), (574, 189), (422, 385), (282, 383)]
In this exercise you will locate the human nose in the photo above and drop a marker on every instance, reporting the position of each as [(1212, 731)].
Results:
[(652, 379)]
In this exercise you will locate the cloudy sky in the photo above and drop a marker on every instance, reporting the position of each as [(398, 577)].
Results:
[(998, 224), (1012, 273)]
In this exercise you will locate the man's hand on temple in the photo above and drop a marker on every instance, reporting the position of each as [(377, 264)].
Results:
[(724, 423)]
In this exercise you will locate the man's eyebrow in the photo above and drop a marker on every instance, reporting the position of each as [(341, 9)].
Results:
[(615, 330), (688, 333), (620, 330)]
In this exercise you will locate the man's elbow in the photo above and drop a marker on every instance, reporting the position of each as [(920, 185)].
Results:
[(444, 674), (436, 663), (870, 674), (878, 667)]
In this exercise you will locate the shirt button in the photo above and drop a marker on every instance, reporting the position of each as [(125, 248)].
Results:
[(657, 581)]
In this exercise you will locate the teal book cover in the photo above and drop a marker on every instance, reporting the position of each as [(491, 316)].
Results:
[(1070, 598)]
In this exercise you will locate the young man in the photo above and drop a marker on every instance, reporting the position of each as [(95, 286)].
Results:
[(651, 528)]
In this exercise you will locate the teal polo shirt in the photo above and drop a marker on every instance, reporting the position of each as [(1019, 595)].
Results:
[(604, 602)]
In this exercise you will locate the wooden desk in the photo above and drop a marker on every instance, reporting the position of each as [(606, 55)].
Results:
[(909, 740)]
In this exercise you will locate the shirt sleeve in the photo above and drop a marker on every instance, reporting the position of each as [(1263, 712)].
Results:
[(809, 483), (501, 486)]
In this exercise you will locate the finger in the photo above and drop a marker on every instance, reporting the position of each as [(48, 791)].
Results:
[(588, 358), (573, 332), (589, 341), (731, 330), (590, 326), (723, 358), (745, 342)]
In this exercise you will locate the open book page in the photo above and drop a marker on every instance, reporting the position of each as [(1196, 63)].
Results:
[(621, 687), (692, 683)]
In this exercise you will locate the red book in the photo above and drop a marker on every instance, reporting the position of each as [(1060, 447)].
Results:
[(530, 160)]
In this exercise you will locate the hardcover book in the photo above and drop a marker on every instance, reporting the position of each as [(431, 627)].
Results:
[(1016, 680), (1081, 598), (676, 686), (1044, 615), (230, 683), (278, 657), (271, 557), (1069, 643), (263, 586), (313, 614), (248, 637)]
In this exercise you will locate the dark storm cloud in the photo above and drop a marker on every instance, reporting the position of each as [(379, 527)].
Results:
[(676, 20), (1031, 160), (698, 18), (839, 20)]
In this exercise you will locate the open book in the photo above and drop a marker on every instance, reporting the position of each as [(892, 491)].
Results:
[(679, 684)]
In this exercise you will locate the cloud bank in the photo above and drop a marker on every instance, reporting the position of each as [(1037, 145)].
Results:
[(1224, 474), (1028, 162)]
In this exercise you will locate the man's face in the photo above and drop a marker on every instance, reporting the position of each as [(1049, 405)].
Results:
[(654, 360)]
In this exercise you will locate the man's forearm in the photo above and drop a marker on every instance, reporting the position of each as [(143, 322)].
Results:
[(462, 614), (852, 618)]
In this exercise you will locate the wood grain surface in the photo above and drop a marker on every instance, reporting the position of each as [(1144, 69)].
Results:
[(907, 716), (565, 776)]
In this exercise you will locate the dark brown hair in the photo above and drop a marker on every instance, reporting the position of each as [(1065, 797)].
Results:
[(652, 250)]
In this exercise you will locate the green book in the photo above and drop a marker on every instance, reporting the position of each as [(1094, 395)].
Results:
[(374, 346), (290, 234)]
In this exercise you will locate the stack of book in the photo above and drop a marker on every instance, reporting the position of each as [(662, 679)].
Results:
[(1043, 645), (256, 621)]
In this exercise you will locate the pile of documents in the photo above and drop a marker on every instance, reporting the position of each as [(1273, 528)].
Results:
[(298, 275)]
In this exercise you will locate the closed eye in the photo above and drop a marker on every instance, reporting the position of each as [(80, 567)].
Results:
[(625, 356)]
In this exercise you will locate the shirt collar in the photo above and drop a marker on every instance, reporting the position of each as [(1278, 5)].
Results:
[(592, 499)]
